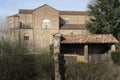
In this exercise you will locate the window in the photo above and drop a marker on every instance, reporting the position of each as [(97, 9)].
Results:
[(46, 24), (88, 19), (66, 20), (26, 36)]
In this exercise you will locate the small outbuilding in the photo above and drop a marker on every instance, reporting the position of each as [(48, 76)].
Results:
[(87, 47)]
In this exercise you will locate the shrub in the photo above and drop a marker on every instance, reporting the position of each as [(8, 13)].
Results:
[(17, 64), (118, 46), (17, 67), (27, 67), (116, 57), (51, 49), (88, 71), (8, 48), (45, 66)]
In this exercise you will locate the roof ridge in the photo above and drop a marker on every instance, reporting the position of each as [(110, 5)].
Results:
[(45, 5)]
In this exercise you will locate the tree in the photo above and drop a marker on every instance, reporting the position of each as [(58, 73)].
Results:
[(106, 17)]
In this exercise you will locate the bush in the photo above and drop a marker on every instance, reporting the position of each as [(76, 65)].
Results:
[(116, 57), (45, 66), (17, 67), (88, 71), (8, 48), (17, 64), (27, 67), (118, 46)]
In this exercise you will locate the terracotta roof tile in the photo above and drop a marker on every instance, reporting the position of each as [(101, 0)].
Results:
[(93, 38), (73, 26)]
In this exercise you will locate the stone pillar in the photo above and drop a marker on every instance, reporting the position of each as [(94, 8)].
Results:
[(86, 56), (113, 48), (57, 39)]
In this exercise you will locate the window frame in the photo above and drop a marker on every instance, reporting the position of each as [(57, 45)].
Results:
[(67, 21), (26, 37), (46, 24)]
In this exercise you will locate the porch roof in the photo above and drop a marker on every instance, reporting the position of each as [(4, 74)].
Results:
[(89, 38)]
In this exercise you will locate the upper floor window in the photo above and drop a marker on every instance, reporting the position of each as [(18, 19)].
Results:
[(26, 36), (66, 20), (88, 19), (46, 24)]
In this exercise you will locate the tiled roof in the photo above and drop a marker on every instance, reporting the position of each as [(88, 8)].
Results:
[(73, 26), (25, 11), (73, 13), (91, 38)]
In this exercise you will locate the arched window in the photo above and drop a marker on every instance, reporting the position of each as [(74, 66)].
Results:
[(26, 36), (66, 20), (46, 24)]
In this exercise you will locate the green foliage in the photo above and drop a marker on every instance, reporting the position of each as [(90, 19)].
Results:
[(118, 47), (45, 66), (8, 48), (17, 64), (88, 71), (51, 49), (17, 67), (116, 57), (106, 17), (27, 67)]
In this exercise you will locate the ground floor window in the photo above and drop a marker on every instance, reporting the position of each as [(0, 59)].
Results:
[(26, 36)]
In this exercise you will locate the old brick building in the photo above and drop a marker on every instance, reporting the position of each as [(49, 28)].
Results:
[(36, 28)]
